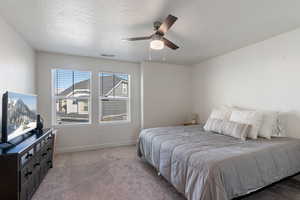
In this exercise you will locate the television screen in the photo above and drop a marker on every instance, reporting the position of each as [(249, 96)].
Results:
[(20, 114)]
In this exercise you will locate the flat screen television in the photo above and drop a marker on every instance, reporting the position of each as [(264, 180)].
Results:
[(19, 115)]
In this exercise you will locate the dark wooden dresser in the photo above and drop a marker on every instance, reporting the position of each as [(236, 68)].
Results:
[(24, 166)]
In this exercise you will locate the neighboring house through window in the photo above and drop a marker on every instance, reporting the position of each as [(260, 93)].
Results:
[(114, 97), (71, 96)]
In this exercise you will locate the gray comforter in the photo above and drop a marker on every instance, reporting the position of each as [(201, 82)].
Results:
[(208, 166)]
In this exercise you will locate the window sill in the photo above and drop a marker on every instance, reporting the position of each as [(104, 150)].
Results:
[(75, 124), (106, 123), (112, 123)]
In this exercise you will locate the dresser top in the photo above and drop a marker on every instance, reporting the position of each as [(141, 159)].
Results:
[(26, 143)]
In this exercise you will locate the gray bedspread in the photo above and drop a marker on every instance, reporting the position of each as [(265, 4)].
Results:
[(207, 166)]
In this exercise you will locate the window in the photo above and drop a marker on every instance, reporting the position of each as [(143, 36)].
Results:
[(114, 97), (71, 96)]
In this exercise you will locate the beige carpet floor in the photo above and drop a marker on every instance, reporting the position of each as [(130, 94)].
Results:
[(117, 174)]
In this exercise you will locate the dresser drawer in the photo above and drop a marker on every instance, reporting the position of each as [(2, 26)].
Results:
[(27, 172), (38, 147), (27, 156), (24, 191)]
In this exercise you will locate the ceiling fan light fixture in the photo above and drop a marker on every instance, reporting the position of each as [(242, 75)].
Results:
[(158, 41), (157, 44)]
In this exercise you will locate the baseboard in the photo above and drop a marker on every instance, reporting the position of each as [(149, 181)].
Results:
[(92, 147)]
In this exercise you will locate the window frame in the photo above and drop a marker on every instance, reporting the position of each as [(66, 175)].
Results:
[(128, 120), (54, 98)]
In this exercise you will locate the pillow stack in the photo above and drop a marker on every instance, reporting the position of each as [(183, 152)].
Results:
[(244, 124), (252, 118)]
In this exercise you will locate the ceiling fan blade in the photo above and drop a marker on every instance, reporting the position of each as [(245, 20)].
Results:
[(166, 25), (170, 44), (137, 38)]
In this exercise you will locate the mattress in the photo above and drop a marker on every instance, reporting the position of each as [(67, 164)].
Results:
[(208, 166)]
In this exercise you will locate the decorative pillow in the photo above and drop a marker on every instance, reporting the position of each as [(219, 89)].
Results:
[(279, 130), (252, 118), (235, 129), (214, 125), (223, 114), (269, 125)]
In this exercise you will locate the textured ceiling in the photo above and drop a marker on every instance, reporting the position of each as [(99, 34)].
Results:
[(205, 28)]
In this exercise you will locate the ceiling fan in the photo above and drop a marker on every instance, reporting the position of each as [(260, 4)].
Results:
[(158, 41)]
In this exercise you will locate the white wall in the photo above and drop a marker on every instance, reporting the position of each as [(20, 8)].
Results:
[(17, 63), (166, 94), (265, 75), (83, 137)]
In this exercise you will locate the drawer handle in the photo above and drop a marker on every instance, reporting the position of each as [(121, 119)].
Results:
[(28, 155), (36, 164), (28, 174)]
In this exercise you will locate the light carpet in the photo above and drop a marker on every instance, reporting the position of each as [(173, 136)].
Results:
[(118, 174)]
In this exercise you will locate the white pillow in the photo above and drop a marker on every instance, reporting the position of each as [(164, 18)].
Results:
[(223, 114), (252, 118), (279, 130), (230, 128), (214, 125), (269, 125), (235, 129)]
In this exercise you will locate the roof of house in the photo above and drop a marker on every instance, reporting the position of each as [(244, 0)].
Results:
[(80, 85), (107, 83)]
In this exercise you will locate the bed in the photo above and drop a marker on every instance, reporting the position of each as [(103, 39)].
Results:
[(208, 166)]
